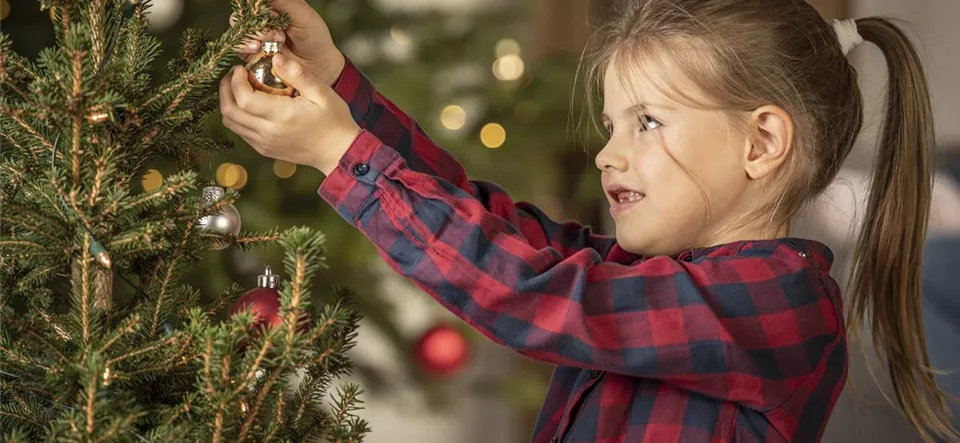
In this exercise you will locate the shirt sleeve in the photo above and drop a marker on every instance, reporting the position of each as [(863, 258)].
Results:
[(749, 329), (377, 114)]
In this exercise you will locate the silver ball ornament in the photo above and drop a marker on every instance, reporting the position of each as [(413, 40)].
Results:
[(225, 222)]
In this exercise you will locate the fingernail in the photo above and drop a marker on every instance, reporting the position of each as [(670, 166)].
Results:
[(253, 46)]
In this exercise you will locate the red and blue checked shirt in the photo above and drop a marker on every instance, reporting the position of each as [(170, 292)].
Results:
[(742, 342)]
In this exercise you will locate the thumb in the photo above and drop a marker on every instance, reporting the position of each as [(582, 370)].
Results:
[(295, 74)]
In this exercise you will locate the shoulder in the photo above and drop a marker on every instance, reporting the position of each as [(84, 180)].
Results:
[(762, 277)]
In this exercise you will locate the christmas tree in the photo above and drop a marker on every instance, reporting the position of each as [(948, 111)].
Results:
[(101, 338)]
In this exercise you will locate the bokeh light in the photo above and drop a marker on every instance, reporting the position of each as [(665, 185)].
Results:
[(284, 169), (507, 46), (453, 117), (400, 36), (152, 180), (4, 9), (231, 175), (508, 67), (493, 135)]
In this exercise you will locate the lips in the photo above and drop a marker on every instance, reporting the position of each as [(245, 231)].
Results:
[(623, 198), (623, 194)]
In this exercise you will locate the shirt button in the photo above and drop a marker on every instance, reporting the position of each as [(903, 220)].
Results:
[(804, 253), (361, 169), (594, 373)]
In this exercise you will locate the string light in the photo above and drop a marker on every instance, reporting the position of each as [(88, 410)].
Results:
[(508, 68), (284, 169), (453, 117), (507, 46), (152, 180), (493, 135)]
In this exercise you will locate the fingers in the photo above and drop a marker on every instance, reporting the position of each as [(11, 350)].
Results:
[(252, 45), (240, 120), (253, 102), (292, 71), (297, 9)]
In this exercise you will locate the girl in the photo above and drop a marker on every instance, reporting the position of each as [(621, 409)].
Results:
[(701, 320)]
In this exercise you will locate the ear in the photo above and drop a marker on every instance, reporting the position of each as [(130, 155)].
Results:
[(770, 141)]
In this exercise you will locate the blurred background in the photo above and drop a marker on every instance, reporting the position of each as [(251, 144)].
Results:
[(493, 81)]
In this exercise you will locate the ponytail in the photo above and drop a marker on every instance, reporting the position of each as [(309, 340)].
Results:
[(885, 287)]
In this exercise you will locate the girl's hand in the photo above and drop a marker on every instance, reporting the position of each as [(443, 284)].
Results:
[(307, 39), (313, 129)]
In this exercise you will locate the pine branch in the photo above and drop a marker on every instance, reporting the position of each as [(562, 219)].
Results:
[(29, 329), (252, 240), (211, 66), (143, 350), (129, 326), (59, 330), (261, 396), (174, 186), (97, 25), (76, 55), (33, 132)]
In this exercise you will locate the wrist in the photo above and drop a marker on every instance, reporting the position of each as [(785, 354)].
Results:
[(338, 147), (334, 68)]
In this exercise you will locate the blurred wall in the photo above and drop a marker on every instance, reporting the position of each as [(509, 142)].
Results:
[(863, 414)]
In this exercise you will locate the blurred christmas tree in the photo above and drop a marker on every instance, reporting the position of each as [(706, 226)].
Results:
[(146, 358)]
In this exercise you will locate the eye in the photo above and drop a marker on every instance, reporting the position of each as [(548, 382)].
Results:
[(648, 123)]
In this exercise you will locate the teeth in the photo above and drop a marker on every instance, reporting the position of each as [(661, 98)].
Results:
[(629, 196)]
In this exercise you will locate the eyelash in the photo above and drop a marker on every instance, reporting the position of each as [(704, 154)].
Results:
[(643, 120)]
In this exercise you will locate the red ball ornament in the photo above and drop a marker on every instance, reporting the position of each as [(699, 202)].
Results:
[(442, 351), (263, 301)]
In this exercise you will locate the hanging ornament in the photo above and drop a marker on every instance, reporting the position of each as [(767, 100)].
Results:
[(4, 9), (261, 74), (263, 301), (442, 351), (226, 222), (163, 14)]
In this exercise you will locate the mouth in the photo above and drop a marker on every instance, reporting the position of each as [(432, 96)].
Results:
[(623, 198)]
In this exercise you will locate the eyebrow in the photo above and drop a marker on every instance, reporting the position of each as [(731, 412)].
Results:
[(639, 108)]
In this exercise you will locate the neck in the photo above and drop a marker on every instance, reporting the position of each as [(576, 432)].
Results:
[(759, 229)]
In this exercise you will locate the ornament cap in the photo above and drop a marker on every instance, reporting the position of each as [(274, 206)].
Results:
[(268, 279), (213, 194), (271, 47)]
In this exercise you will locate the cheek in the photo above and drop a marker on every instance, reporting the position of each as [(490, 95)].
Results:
[(674, 195)]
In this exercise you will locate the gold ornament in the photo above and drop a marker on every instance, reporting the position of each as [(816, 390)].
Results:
[(261, 74)]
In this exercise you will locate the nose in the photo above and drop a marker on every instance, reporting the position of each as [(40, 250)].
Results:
[(611, 159)]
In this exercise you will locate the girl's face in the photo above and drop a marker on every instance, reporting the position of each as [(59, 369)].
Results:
[(652, 139)]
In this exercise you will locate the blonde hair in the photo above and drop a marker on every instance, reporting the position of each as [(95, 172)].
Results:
[(753, 53)]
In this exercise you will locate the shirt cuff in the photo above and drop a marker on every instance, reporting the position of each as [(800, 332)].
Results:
[(355, 89), (350, 187)]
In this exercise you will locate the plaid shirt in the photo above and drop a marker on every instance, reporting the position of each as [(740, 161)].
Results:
[(740, 342)]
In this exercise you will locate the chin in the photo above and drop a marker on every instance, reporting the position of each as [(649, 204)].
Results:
[(647, 244)]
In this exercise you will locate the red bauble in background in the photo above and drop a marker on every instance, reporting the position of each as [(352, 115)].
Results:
[(442, 350), (263, 301)]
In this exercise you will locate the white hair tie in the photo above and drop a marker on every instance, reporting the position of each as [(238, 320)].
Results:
[(847, 34)]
